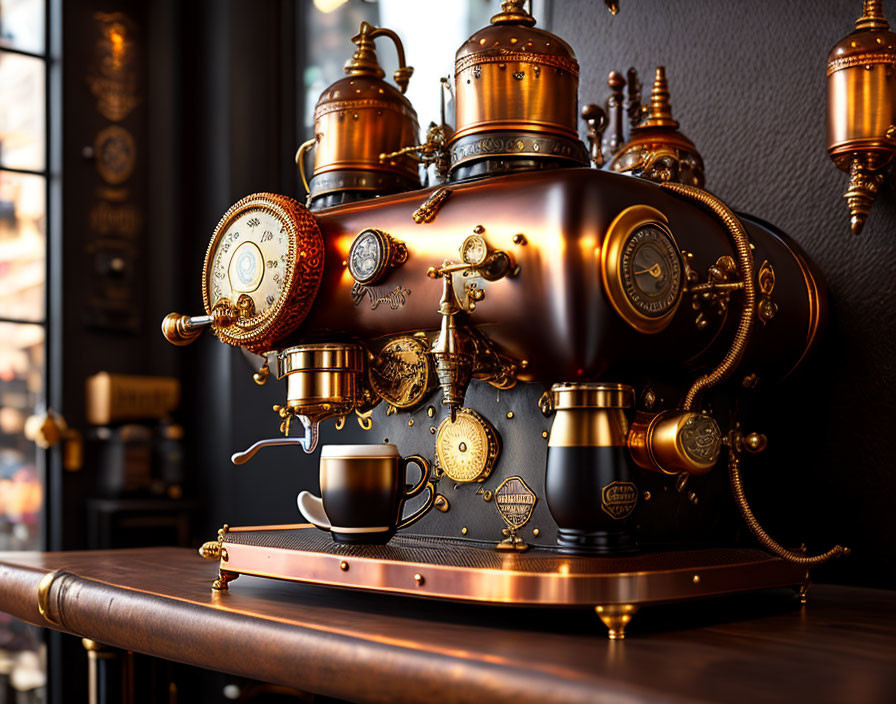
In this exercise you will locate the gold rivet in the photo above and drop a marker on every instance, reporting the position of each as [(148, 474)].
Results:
[(520, 239), (430, 411), (410, 422), (343, 566), (479, 229), (432, 430), (463, 530), (510, 414), (524, 363), (535, 531), (646, 496), (696, 579), (418, 578), (344, 262), (544, 433)]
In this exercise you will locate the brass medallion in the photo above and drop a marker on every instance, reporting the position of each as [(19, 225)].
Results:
[(468, 448), (515, 502), (701, 439), (618, 499), (401, 372)]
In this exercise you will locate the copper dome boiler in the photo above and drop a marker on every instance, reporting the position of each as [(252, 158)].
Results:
[(356, 119), (516, 99)]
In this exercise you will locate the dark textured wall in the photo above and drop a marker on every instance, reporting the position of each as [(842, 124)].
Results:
[(748, 86)]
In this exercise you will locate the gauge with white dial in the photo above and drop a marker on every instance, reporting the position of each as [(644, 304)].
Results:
[(263, 265)]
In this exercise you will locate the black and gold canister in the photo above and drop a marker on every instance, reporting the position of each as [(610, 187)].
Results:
[(589, 483)]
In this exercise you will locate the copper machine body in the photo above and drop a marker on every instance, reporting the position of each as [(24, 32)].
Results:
[(527, 269)]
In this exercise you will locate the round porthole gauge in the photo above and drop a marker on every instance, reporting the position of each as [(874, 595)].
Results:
[(468, 448), (373, 254)]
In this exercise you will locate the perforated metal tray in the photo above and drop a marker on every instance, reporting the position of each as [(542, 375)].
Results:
[(451, 569)]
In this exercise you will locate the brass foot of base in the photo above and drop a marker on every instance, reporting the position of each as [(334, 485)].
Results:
[(223, 580), (802, 592), (616, 617)]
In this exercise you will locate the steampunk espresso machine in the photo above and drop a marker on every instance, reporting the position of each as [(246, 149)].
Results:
[(565, 332)]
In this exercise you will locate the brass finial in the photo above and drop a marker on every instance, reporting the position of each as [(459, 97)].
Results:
[(513, 12), (364, 61), (872, 16), (659, 114)]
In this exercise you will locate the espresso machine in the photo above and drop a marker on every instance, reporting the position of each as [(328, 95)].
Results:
[(565, 330)]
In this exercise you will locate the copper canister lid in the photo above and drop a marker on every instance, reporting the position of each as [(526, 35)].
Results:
[(591, 395)]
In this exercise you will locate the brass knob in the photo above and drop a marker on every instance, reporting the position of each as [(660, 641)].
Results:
[(181, 330), (755, 443)]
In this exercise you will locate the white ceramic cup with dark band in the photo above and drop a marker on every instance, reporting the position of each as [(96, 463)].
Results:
[(363, 492)]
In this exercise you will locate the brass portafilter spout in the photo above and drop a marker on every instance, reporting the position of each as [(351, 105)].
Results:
[(454, 363)]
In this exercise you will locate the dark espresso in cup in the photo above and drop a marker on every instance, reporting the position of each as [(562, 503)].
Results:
[(363, 492)]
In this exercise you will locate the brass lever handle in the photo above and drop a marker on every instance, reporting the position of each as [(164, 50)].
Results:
[(181, 329)]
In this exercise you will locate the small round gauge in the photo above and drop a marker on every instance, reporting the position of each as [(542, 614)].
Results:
[(468, 448), (263, 266), (372, 254), (651, 270), (474, 250), (642, 269)]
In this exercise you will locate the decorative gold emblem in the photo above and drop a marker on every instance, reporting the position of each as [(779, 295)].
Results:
[(618, 499), (467, 448), (430, 208), (113, 74), (766, 307), (401, 372), (515, 502), (395, 298), (116, 154)]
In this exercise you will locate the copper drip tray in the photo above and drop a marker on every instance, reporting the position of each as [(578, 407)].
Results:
[(444, 568)]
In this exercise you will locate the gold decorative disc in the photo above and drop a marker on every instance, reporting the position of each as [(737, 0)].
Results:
[(401, 372), (468, 448)]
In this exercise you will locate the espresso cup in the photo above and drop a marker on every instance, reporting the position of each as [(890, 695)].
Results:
[(363, 492)]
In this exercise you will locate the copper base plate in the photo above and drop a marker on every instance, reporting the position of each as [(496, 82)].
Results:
[(443, 568)]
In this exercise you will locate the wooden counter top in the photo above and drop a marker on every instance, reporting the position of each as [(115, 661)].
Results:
[(373, 648)]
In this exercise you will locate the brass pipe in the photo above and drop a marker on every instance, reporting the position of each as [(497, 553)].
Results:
[(748, 312), (737, 488)]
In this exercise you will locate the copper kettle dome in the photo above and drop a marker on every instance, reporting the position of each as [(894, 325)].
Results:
[(516, 90), (357, 119)]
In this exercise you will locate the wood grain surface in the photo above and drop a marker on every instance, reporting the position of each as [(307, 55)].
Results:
[(372, 648)]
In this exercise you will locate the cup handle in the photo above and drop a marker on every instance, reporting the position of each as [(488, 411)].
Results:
[(312, 508), (411, 492)]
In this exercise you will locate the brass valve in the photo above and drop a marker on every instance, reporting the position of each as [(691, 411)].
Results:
[(675, 441), (596, 119), (461, 352)]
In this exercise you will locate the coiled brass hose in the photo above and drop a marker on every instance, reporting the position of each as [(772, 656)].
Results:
[(737, 488), (745, 265)]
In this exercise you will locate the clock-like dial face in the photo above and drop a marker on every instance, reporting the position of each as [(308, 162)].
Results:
[(262, 270), (250, 259), (367, 257), (650, 268), (474, 250), (468, 448)]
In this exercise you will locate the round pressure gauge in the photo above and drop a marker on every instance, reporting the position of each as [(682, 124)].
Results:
[(642, 268), (467, 449), (474, 250), (651, 270), (373, 254), (262, 269)]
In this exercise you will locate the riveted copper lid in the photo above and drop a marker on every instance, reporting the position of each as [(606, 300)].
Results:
[(592, 395)]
